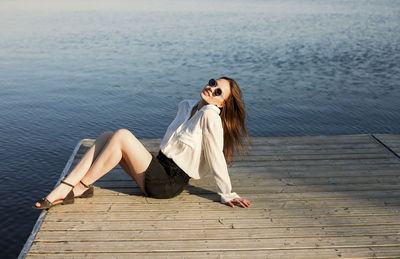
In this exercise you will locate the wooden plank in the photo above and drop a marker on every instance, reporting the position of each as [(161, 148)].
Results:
[(311, 140), (373, 183), (380, 161), (300, 253), (280, 208), (310, 147), (314, 162), (313, 169), (318, 168), (284, 181), (366, 145), (121, 179), (209, 198), (278, 140), (267, 175), (124, 225), (259, 188), (187, 196), (255, 198), (292, 152), (253, 190), (217, 214), (217, 245), (300, 157), (286, 204), (216, 234)]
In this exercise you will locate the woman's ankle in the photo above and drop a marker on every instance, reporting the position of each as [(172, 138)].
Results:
[(59, 192), (79, 189)]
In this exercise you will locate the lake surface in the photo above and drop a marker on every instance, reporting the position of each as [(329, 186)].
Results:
[(73, 69)]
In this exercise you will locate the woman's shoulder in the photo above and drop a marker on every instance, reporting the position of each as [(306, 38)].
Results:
[(211, 109), (210, 116)]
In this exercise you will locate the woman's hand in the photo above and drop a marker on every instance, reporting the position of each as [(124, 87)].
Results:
[(239, 201)]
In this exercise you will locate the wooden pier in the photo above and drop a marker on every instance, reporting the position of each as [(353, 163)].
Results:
[(312, 197)]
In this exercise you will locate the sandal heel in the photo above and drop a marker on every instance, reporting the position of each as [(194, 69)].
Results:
[(88, 193), (69, 198)]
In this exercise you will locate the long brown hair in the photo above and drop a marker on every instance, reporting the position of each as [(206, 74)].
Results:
[(233, 116)]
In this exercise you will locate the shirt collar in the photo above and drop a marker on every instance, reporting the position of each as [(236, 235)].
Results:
[(212, 107)]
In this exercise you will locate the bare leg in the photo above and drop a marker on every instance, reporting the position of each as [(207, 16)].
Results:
[(122, 146), (108, 150), (86, 162), (124, 165), (81, 168)]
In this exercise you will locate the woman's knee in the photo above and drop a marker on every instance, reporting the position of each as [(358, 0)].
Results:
[(122, 134)]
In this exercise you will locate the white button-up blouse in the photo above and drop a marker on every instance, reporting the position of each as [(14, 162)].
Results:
[(196, 145)]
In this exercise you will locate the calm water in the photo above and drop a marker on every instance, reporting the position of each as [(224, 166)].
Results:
[(71, 70)]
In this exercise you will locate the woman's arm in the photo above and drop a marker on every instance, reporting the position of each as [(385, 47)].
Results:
[(213, 142)]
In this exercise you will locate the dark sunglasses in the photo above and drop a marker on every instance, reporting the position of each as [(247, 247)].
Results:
[(213, 83)]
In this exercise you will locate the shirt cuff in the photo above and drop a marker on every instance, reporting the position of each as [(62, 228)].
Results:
[(229, 196)]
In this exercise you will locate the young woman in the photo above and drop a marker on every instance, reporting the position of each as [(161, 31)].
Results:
[(202, 138)]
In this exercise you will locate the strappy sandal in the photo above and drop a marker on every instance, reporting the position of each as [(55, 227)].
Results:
[(46, 204), (88, 193)]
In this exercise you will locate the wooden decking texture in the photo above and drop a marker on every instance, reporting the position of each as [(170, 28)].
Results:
[(312, 197)]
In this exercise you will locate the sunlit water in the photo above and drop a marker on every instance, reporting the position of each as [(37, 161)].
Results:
[(71, 70)]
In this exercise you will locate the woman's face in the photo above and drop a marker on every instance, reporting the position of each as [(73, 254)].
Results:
[(216, 95)]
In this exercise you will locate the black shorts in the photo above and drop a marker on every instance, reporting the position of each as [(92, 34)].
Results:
[(163, 178)]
